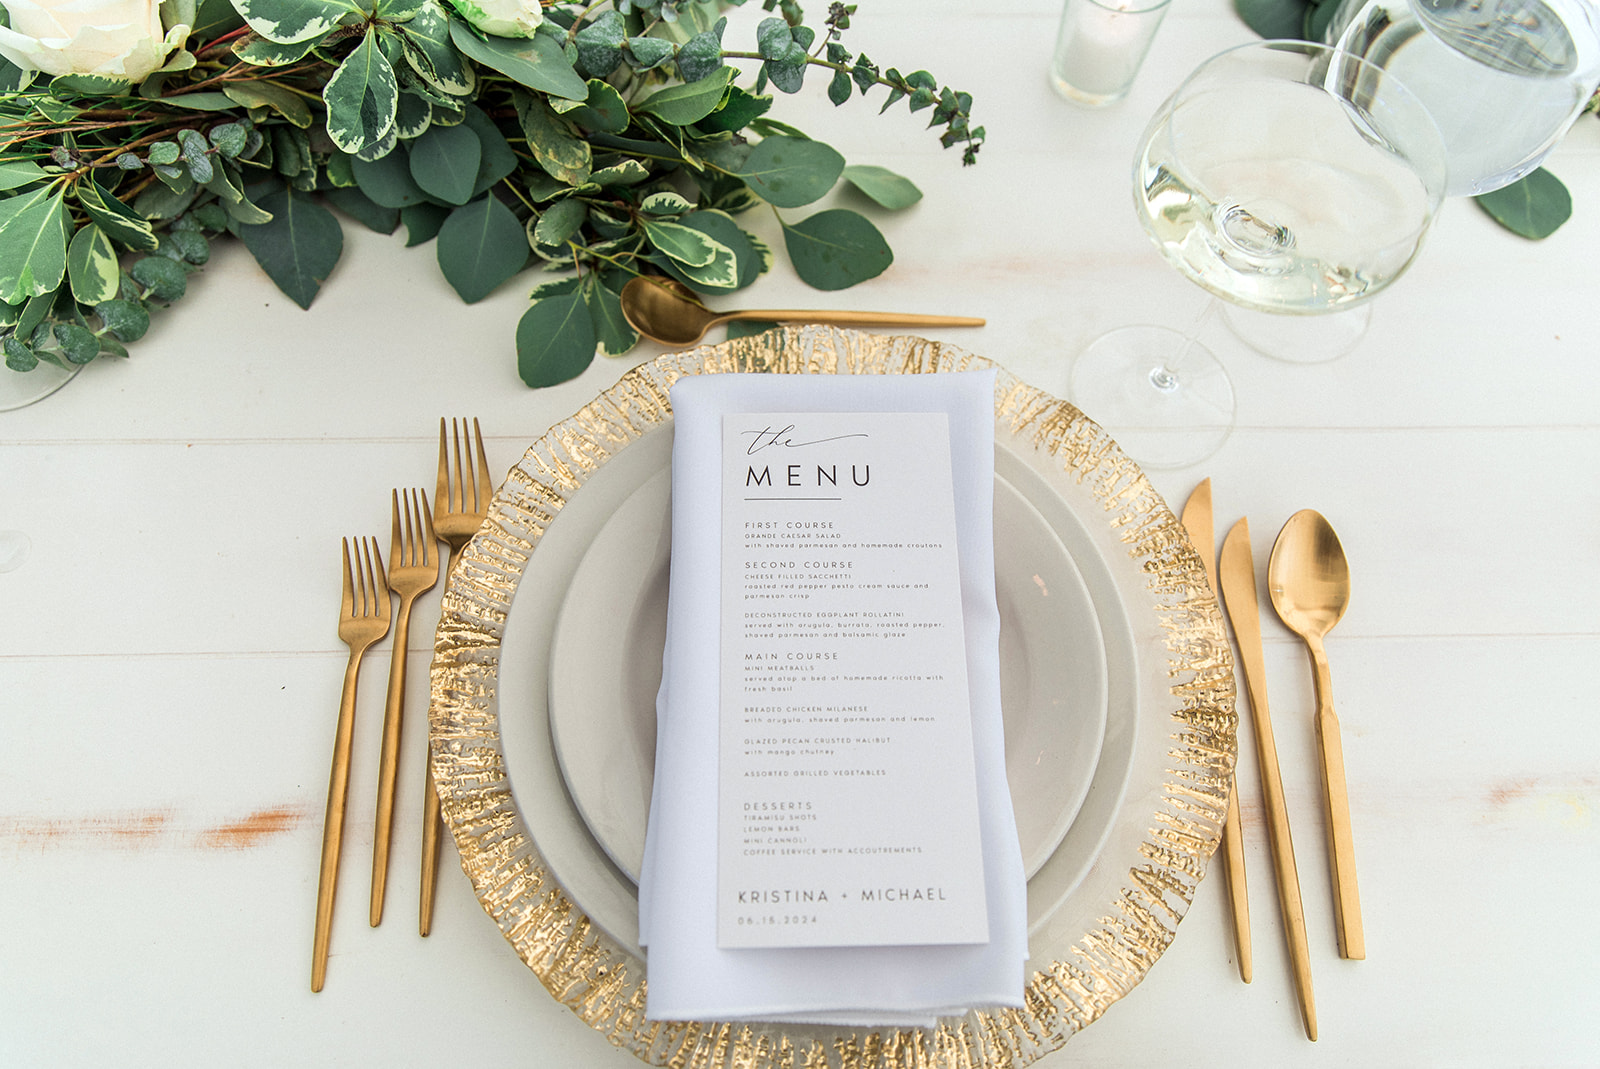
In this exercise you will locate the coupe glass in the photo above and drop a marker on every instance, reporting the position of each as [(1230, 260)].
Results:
[(1283, 177)]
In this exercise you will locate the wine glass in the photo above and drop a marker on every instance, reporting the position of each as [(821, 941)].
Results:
[(1284, 177), (1504, 79)]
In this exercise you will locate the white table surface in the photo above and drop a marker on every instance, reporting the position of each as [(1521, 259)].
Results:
[(169, 672)]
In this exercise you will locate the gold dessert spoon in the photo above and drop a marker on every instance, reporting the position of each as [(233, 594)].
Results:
[(1309, 579), (667, 311)]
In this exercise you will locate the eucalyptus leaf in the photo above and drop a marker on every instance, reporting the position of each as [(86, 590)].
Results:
[(1534, 206), (1274, 19), (444, 162), (883, 185), (78, 345), (127, 320), (480, 246), (497, 161), (599, 44), (836, 249), (92, 266), (701, 55), (33, 244), (358, 206), (362, 97), (422, 222), (299, 247), (163, 278), (789, 172), (555, 339), (613, 334), (536, 62), (388, 180)]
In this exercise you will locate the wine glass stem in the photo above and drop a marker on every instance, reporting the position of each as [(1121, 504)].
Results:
[(1164, 376)]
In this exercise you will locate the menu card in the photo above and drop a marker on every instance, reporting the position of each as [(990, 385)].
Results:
[(693, 976), (847, 804)]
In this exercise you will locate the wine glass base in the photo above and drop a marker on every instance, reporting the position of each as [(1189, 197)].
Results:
[(18, 389), (1312, 339), (1167, 406)]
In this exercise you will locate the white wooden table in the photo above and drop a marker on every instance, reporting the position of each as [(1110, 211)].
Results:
[(169, 672)]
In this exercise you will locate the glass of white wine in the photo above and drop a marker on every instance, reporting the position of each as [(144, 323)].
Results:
[(1283, 177)]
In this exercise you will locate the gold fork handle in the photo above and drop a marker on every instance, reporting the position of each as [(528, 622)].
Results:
[(1238, 894), (430, 853), (389, 760), (333, 820), (430, 812)]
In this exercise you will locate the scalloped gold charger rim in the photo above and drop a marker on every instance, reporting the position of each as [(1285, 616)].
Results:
[(605, 986)]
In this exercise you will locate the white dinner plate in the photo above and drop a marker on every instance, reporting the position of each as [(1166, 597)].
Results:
[(606, 667)]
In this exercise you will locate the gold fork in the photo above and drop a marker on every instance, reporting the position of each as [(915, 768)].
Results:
[(363, 620), (460, 502), (413, 569)]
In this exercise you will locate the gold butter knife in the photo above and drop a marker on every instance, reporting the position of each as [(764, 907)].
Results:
[(1237, 572), (1197, 522)]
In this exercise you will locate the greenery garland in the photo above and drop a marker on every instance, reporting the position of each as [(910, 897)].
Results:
[(608, 139)]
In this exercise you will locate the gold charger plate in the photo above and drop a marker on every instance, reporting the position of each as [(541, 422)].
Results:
[(1095, 947)]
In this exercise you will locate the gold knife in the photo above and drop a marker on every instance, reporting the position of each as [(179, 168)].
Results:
[(1238, 576), (1197, 522)]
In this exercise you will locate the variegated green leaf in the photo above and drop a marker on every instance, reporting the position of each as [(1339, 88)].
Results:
[(292, 21), (33, 244), (430, 52), (362, 96), (562, 155), (92, 266), (260, 52), (119, 221)]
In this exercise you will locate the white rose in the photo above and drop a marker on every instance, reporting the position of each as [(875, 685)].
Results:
[(502, 18), (111, 38)]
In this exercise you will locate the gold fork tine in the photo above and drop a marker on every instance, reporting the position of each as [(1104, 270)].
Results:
[(482, 479), (413, 569), (363, 620)]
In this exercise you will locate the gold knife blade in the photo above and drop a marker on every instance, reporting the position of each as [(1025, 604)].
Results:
[(1238, 580), (1197, 522)]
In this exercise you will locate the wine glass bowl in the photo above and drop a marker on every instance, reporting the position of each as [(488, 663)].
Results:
[(1285, 177)]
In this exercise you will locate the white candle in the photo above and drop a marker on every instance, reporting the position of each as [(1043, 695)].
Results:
[(1101, 46)]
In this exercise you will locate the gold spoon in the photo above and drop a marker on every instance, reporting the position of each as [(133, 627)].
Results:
[(667, 311), (1309, 580)]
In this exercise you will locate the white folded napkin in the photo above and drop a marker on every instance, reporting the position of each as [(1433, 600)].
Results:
[(690, 977)]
